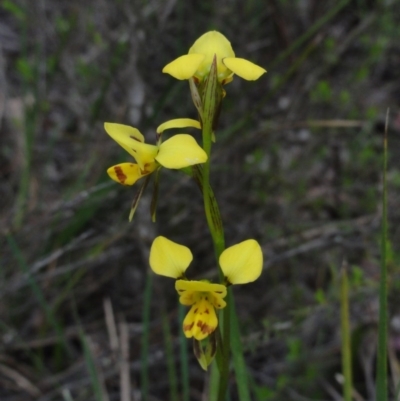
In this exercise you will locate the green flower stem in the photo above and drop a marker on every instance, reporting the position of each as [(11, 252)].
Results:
[(215, 225), (197, 173), (213, 221), (219, 246), (211, 96)]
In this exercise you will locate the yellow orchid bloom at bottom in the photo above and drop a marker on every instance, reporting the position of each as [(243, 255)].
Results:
[(177, 152), (240, 264), (203, 296)]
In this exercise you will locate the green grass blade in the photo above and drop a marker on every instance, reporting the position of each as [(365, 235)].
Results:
[(397, 392), (29, 78), (311, 31), (87, 353), (169, 352), (90, 364), (144, 354), (239, 363), (346, 335), (225, 346), (381, 380), (37, 290), (183, 356), (273, 68), (214, 382)]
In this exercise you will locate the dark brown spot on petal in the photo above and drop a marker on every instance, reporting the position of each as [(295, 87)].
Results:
[(205, 328), (218, 292), (207, 311), (195, 311), (130, 136), (120, 174), (188, 327)]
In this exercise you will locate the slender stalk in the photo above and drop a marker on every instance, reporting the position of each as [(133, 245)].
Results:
[(381, 380), (345, 331), (237, 353), (219, 246), (91, 367), (144, 374), (169, 353), (88, 355), (213, 383), (207, 100), (211, 98), (184, 358), (206, 191), (226, 339)]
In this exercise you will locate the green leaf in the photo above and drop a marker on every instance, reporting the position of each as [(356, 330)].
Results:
[(381, 380)]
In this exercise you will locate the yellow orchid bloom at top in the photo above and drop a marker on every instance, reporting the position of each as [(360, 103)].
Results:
[(179, 151), (240, 264), (198, 61)]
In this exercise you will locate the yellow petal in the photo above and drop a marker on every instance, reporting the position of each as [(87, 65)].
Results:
[(201, 320), (184, 67), (178, 123), (117, 131), (199, 286), (242, 263), (180, 151), (212, 42), (244, 68), (189, 292), (133, 142), (217, 300), (168, 258), (187, 298), (145, 156), (125, 173)]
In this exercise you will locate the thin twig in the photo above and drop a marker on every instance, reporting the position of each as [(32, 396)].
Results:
[(111, 326), (125, 380)]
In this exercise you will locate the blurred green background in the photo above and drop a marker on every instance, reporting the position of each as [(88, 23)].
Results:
[(297, 165)]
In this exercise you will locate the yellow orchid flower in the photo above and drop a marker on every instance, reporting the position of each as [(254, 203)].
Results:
[(178, 152), (198, 61), (241, 263)]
